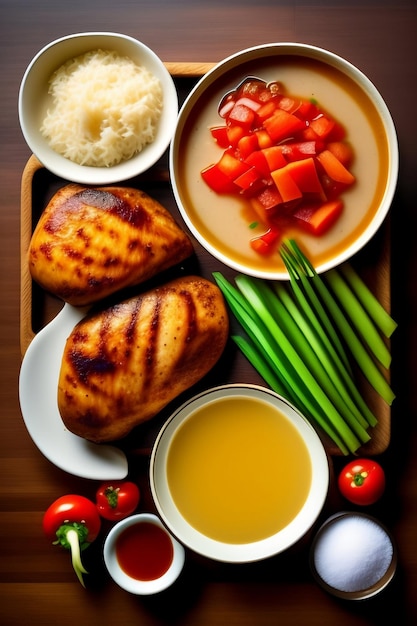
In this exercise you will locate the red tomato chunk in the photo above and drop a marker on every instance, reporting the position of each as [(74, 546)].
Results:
[(285, 155)]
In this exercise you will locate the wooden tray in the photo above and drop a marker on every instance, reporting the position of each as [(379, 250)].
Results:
[(38, 308)]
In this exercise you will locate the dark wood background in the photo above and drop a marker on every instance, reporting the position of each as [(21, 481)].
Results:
[(37, 584)]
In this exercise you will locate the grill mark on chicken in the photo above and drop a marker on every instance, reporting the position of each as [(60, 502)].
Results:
[(132, 325), (112, 203), (149, 363), (86, 366), (103, 362), (191, 315)]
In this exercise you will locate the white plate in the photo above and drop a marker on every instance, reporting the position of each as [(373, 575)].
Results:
[(38, 384)]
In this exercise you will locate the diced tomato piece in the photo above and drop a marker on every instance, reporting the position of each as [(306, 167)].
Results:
[(318, 219), (249, 102), (274, 157), (226, 106), (266, 203), (265, 111), (219, 134), (217, 180), (286, 185), (301, 149), (341, 151), (304, 174), (266, 244), (308, 134), (282, 125), (322, 126), (289, 104), (264, 139), (247, 144), (242, 115), (234, 134), (250, 181), (269, 197), (331, 188), (334, 168), (265, 95), (307, 110), (253, 89), (257, 159), (338, 133), (231, 166)]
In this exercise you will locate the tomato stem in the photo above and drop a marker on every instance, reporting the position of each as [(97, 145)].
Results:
[(359, 479), (73, 537), (112, 496)]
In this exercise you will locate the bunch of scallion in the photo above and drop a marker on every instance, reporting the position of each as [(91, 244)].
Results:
[(303, 336)]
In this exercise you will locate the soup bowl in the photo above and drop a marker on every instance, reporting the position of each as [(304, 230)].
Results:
[(237, 474), (34, 99), (141, 556), (224, 223)]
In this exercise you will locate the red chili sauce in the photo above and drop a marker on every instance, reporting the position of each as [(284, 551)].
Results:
[(144, 551)]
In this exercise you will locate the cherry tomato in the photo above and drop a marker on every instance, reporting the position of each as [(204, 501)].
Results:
[(118, 499), (72, 522), (362, 481), (71, 509)]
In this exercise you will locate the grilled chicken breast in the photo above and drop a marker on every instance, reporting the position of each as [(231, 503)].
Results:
[(91, 242), (122, 365)]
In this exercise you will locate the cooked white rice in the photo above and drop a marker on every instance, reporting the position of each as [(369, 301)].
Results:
[(105, 109)]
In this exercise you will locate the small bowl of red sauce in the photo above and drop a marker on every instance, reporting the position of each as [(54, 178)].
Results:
[(141, 556)]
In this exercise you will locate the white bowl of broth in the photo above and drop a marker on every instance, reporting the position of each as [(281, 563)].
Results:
[(222, 223), (238, 475)]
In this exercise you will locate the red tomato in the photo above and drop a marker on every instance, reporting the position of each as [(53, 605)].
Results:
[(118, 499), (68, 510), (362, 481), (264, 243), (72, 522)]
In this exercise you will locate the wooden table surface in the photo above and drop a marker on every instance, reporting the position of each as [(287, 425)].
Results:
[(37, 584)]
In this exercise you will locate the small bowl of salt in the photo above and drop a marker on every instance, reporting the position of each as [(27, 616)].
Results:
[(353, 556)]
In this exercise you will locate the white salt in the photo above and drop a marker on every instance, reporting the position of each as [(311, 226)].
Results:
[(352, 553)]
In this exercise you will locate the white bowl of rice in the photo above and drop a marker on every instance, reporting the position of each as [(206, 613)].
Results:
[(97, 108)]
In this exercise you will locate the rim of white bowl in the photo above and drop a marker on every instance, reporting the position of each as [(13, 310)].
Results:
[(48, 59), (355, 74), (141, 587), (257, 550)]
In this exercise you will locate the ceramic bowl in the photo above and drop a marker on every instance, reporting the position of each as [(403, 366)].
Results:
[(238, 475), (223, 224), (34, 92), (160, 579)]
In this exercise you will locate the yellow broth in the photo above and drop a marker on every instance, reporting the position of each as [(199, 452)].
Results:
[(224, 221), (238, 470)]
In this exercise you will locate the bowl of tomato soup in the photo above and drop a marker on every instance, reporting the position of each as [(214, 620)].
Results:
[(141, 556), (237, 474), (284, 140)]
